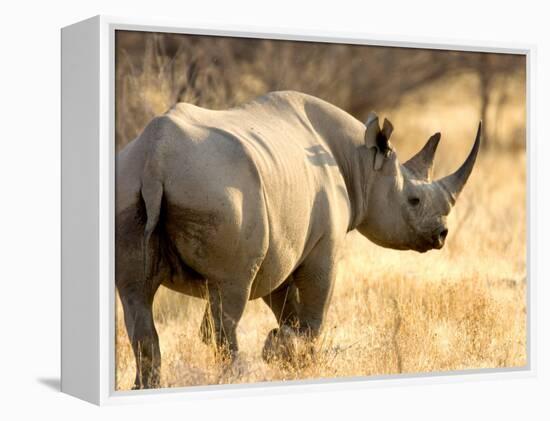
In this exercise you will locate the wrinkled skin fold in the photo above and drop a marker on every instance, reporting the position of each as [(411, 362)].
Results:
[(256, 201)]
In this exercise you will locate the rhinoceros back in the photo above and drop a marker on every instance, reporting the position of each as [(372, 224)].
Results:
[(247, 192)]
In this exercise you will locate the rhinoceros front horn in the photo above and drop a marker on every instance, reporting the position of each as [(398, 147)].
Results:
[(422, 163), (454, 183)]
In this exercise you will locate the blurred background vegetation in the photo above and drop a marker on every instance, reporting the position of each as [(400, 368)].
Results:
[(154, 71)]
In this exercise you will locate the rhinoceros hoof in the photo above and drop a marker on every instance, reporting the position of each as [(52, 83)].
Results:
[(234, 367), (154, 383), (280, 345)]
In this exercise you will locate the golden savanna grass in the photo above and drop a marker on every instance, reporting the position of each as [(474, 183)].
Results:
[(463, 307)]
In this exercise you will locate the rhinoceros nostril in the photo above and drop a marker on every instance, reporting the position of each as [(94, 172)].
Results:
[(443, 234)]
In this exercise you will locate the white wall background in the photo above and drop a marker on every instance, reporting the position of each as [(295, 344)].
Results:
[(30, 196)]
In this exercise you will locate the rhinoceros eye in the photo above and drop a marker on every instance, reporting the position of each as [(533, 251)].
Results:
[(414, 201)]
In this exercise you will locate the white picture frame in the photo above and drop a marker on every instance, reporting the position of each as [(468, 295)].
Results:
[(88, 153)]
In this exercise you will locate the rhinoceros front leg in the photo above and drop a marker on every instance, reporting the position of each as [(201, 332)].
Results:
[(226, 303), (308, 298), (315, 284)]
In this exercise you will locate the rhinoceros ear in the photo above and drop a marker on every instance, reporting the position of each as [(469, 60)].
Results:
[(372, 131), (379, 139), (387, 130)]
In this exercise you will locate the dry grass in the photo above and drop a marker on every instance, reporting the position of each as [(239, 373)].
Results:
[(463, 307)]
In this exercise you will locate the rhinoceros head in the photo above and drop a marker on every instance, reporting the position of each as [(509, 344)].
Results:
[(405, 208)]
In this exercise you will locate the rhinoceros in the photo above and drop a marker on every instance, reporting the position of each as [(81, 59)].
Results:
[(255, 202)]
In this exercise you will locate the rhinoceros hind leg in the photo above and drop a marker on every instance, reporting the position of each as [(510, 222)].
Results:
[(284, 303), (138, 317), (280, 343), (226, 305)]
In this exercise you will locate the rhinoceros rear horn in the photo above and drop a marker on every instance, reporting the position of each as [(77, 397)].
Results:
[(454, 183), (421, 164)]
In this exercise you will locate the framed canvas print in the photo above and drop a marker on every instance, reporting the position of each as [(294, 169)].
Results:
[(245, 211)]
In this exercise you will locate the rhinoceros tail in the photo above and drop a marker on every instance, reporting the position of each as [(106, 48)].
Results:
[(151, 192)]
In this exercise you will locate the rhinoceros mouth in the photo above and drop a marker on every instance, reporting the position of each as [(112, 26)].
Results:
[(423, 249), (428, 244)]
